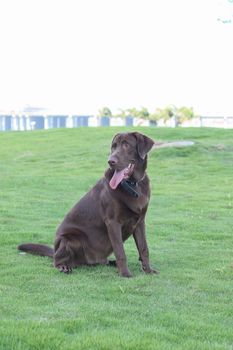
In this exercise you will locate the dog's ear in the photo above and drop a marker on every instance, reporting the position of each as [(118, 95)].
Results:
[(144, 144)]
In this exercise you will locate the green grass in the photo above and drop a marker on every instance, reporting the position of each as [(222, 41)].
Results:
[(189, 228)]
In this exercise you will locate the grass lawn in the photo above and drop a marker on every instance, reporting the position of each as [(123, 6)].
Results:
[(189, 228)]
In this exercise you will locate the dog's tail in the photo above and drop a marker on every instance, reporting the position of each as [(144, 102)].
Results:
[(37, 249)]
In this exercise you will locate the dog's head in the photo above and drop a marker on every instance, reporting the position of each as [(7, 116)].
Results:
[(128, 152)]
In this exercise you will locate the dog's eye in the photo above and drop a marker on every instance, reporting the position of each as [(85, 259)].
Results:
[(114, 146), (125, 143)]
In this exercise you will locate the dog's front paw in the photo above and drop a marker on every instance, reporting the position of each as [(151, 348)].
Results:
[(149, 270), (126, 274)]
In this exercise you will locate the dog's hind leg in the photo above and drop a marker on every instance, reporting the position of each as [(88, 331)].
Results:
[(68, 254)]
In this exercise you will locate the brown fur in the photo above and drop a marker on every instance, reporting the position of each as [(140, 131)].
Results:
[(104, 218)]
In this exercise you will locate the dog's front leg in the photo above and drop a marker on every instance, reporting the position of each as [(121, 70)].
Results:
[(141, 243), (115, 236)]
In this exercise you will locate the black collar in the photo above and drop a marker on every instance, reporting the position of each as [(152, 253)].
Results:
[(130, 187)]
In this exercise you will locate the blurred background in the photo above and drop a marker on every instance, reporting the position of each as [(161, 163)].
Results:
[(115, 62)]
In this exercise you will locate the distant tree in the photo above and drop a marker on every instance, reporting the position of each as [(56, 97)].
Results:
[(165, 114), (133, 112), (120, 113), (184, 113), (144, 113), (105, 112), (180, 114), (138, 113)]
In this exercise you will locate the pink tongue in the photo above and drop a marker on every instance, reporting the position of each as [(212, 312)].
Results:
[(118, 176)]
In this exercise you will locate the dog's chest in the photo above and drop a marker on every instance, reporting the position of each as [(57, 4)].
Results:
[(137, 205), (133, 212)]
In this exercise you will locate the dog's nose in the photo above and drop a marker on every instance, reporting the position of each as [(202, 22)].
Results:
[(112, 162)]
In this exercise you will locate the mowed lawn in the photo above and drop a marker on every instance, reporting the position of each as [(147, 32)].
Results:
[(189, 305)]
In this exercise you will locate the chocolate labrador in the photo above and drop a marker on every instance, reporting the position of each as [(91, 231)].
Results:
[(108, 214)]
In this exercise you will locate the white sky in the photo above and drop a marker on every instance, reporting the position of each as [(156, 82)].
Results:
[(76, 56)]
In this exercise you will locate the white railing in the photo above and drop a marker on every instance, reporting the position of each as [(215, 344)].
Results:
[(31, 122)]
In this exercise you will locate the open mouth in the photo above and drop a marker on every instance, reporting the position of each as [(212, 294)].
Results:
[(120, 175)]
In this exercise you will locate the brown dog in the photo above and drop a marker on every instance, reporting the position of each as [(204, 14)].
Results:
[(108, 214)]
